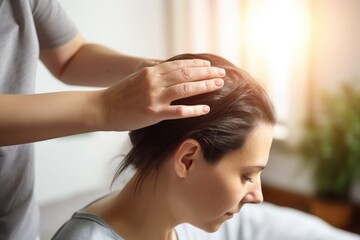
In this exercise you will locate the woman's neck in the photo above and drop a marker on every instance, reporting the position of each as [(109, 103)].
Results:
[(141, 213)]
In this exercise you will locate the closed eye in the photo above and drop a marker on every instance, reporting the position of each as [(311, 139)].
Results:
[(248, 179), (251, 172)]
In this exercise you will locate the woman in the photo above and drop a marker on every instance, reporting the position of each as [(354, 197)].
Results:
[(199, 171)]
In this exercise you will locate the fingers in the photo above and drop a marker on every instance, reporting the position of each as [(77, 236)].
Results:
[(181, 111), (185, 90), (167, 67), (189, 89), (191, 74), (181, 71)]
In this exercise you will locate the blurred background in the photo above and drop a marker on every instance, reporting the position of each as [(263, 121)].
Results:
[(299, 50)]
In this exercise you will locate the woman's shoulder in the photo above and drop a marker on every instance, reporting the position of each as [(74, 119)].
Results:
[(84, 225)]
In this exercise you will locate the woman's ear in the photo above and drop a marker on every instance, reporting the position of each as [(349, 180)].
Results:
[(185, 156)]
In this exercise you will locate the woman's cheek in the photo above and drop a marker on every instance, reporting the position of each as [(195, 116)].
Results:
[(232, 191)]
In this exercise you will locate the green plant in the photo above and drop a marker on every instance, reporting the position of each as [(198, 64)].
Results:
[(332, 144)]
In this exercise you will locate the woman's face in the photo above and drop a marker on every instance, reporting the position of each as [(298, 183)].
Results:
[(211, 194)]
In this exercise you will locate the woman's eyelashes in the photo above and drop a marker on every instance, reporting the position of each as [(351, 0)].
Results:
[(248, 179), (250, 176)]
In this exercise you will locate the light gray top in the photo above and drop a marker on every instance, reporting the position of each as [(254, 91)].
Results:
[(25, 26), (254, 222)]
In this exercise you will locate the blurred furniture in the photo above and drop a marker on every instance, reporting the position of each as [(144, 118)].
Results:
[(301, 202)]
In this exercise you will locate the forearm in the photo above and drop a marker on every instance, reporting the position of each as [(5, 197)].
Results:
[(96, 65), (30, 118)]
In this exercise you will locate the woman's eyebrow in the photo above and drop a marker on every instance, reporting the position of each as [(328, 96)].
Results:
[(257, 168)]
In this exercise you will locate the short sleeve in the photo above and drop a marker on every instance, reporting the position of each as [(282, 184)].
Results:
[(53, 26)]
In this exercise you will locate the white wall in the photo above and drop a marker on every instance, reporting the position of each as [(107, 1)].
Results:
[(337, 42), (82, 163)]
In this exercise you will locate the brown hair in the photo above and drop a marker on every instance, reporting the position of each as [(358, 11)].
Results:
[(236, 109)]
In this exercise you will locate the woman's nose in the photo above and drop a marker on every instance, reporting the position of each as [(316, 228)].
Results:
[(254, 195)]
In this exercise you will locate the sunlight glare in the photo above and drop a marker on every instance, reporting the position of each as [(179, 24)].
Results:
[(277, 31)]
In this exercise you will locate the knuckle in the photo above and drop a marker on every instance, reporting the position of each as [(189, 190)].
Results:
[(151, 107), (151, 111), (180, 111), (209, 85), (178, 63), (210, 71), (147, 76), (145, 72), (186, 89), (196, 111), (186, 73)]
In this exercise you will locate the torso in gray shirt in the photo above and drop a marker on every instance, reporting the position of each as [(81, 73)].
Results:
[(25, 26)]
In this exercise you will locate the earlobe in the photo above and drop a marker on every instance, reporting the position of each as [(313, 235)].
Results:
[(185, 156)]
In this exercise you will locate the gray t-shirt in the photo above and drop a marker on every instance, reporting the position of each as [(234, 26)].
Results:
[(254, 222), (25, 27)]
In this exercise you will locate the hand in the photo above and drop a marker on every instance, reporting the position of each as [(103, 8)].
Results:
[(144, 98)]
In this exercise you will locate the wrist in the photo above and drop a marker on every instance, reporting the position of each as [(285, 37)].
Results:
[(94, 111), (148, 63)]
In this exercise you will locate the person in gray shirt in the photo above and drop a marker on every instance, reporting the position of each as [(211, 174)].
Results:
[(141, 93)]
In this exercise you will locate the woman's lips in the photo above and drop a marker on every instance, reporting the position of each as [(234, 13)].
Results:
[(230, 215)]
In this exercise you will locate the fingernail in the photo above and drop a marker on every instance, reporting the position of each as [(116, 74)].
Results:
[(221, 71), (219, 82), (207, 63), (206, 109)]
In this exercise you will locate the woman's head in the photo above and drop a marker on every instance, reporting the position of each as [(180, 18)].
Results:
[(236, 110), (210, 165)]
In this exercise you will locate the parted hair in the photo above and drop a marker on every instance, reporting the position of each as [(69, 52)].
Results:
[(235, 110)]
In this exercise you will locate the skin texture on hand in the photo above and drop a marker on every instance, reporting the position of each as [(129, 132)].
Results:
[(144, 98)]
